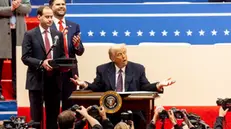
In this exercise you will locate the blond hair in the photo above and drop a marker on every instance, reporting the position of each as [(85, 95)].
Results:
[(112, 50), (121, 125)]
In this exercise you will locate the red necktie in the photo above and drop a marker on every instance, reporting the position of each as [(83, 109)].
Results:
[(47, 44), (61, 28), (119, 87)]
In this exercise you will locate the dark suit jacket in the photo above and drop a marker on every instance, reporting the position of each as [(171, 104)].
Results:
[(135, 78), (219, 123), (33, 51), (73, 29)]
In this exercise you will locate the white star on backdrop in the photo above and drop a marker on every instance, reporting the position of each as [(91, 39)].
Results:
[(202, 33), (115, 33), (189, 33), (152, 33), (127, 33), (214, 32), (80, 33), (90, 33), (177, 33), (226, 32), (164, 33), (103, 33), (139, 33)]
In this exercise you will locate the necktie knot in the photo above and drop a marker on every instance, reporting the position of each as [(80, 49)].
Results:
[(120, 71), (46, 31), (60, 22)]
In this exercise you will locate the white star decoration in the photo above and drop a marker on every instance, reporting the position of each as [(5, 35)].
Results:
[(164, 33), (127, 33), (214, 32), (177, 33), (226, 32), (103, 33), (139, 33), (115, 33), (152, 33), (189, 33), (202, 33), (90, 33)]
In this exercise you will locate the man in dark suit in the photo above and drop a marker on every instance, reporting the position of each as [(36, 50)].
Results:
[(122, 75), (72, 46), (43, 82)]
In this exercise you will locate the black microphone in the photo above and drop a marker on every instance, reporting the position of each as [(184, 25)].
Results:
[(56, 38)]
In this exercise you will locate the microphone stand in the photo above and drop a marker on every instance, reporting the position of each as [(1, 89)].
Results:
[(42, 79)]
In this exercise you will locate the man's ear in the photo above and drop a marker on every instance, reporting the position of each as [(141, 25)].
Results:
[(38, 17)]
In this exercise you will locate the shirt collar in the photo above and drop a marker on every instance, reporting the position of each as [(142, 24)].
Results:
[(56, 21), (117, 69), (42, 29)]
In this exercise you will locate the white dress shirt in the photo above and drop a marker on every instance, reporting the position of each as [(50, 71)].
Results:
[(123, 76), (42, 30)]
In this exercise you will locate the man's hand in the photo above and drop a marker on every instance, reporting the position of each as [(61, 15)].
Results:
[(46, 65), (222, 112), (102, 113), (79, 82), (165, 83), (76, 40), (158, 110), (82, 111), (15, 4), (172, 117)]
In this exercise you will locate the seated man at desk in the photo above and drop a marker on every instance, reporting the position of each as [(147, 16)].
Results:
[(121, 75)]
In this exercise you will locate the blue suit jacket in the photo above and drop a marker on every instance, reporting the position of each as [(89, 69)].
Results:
[(73, 29), (135, 78)]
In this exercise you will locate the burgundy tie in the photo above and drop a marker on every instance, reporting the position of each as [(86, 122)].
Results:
[(47, 44), (119, 87)]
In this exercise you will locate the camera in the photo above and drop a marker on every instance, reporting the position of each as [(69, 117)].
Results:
[(126, 116), (18, 123), (197, 122), (177, 113), (74, 108), (93, 111), (225, 103), (163, 115)]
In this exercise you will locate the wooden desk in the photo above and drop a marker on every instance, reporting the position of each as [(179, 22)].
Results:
[(139, 102)]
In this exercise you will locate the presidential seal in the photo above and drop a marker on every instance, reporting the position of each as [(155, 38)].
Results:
[(111, 101)]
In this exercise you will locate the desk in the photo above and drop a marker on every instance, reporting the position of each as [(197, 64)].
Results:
[(143, 101)]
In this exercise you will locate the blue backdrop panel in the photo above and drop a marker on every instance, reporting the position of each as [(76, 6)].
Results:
[(7, 109), (192, 23)]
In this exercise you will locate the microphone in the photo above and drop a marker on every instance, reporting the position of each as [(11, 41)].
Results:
[(56, 38)]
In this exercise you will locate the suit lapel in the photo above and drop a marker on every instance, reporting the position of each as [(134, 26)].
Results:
[(38, 35), (128, 76), (111, 75), (54, 26), (69, 34), (53, 34)]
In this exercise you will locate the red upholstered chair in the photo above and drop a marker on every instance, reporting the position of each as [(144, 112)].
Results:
[(31, 22)]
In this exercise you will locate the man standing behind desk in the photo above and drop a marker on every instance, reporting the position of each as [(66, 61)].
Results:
[(43, 83), (72, 46), (12, 13)]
